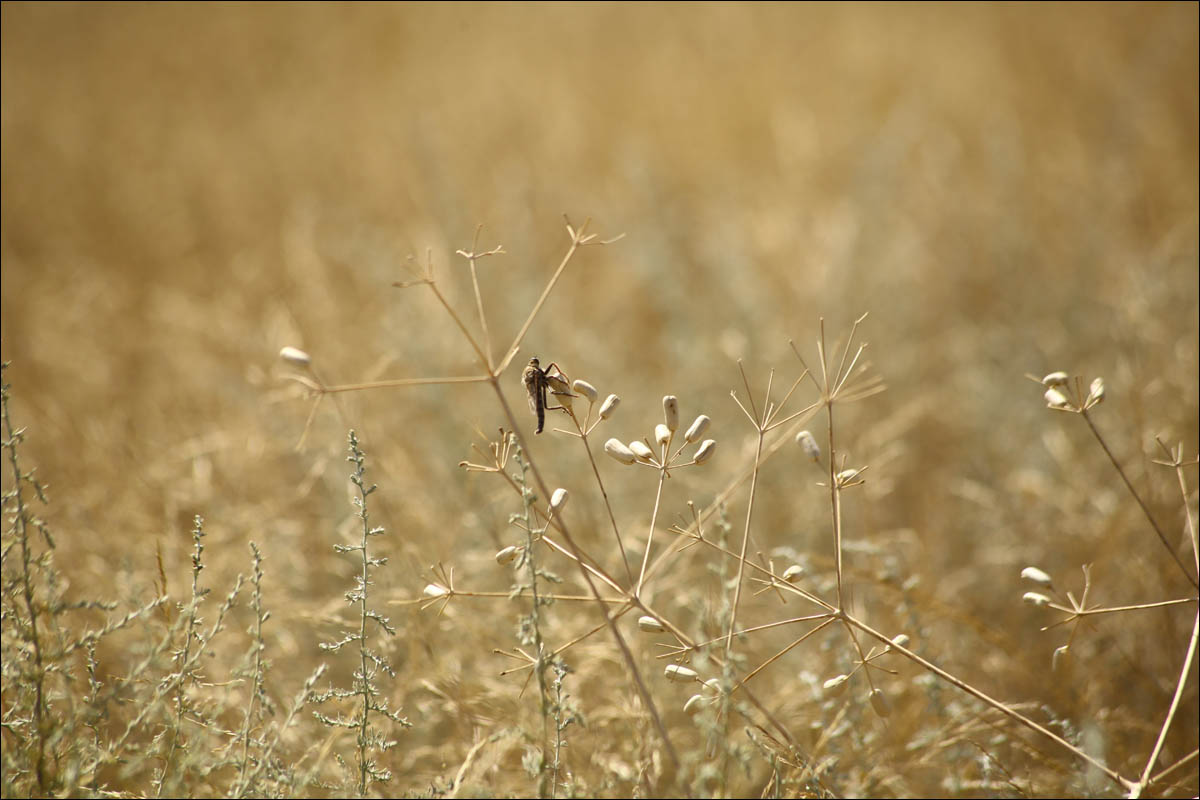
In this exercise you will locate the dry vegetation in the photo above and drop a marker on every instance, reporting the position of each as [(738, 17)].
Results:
[(1006, 190)]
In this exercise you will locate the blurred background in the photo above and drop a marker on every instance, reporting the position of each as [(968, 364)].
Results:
[(1006, 189)]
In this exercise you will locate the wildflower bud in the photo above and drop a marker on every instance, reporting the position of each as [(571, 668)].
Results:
[(836, 686), (559, 499), (808, 443), (694, 704), (880, 703), (617, 449), (1035, 599), (586, 389), (680, 673), (793, 573), (697, 430), (712, 687), (1060, 657), (295, 356), (847, 476), (671, 412), (1056, 399), (662, 434), (1056, 379), (1096, 393), (901, 640), (642, 451), (435, 590), (609, 406), (508, 554), (1036, 576), (650, 624), (706, 450)]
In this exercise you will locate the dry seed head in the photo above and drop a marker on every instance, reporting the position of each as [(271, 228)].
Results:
[(559, 499), (295, 356), (642, 451), (1096, 392), (1035, 599), (694, 704), (836, 686), (650, 624), (620, 451), (1056, 379), (435, 590), (880, 703), (586, 389), (671, 412), (1037, 576), (1056, 399), (706, 450), (609, 406), (662, 434), (808, 443), (793, 573), (680, 673), (697, 430), (508, 554)]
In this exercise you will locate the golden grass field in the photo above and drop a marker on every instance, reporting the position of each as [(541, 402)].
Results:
[(1006, 190)]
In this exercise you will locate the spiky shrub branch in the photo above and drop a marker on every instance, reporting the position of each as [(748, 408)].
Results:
[(364, 694)]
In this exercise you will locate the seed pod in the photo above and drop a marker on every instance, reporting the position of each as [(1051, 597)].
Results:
[(1060, 657), (847, 476), (1035, 599), (671, 412), (880, 703), (712, 687), (1056, 379), (650, 624), (559, 499), (662, 434), (295, 356), (642, 451), (694, 704), (609, 406), (680, 673), (697, 430), (793, 573), (1056, 399), (836, 686), (706, 450), (508, 554), (1096, 392), (901, 640), (1036, 576), (586, 389), (808, 443), (618, 450), (435, 590)]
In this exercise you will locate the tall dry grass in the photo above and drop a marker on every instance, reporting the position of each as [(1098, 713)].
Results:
[(1007, 190)]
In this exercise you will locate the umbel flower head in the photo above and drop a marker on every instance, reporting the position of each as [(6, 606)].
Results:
[(664, 454)]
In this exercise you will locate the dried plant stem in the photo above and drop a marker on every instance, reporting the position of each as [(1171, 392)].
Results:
[(662, 477), (1184, 672), (607, 503), (737, 589), (1141, 503)]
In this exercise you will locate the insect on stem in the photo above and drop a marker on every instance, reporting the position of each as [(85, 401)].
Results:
[(537, 382)]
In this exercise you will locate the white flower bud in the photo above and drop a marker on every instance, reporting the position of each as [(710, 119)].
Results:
[(508, 554), (586, 389), (650, 624), (793, 573), (1036, 576), (680, 673), (901, 640), (295, 356), (1060, 657), (662, 434), (618, 450), (712, 687), (706, 450), (880, 703), (1056, 379), (671, 412), (1096, 392), (836, 686), (1056, 399), (609, 406), (808, 443), (1035, 599), (435, 590), (642, 451), (697, 430), (694, 704), (559, 499), (847, 476)]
